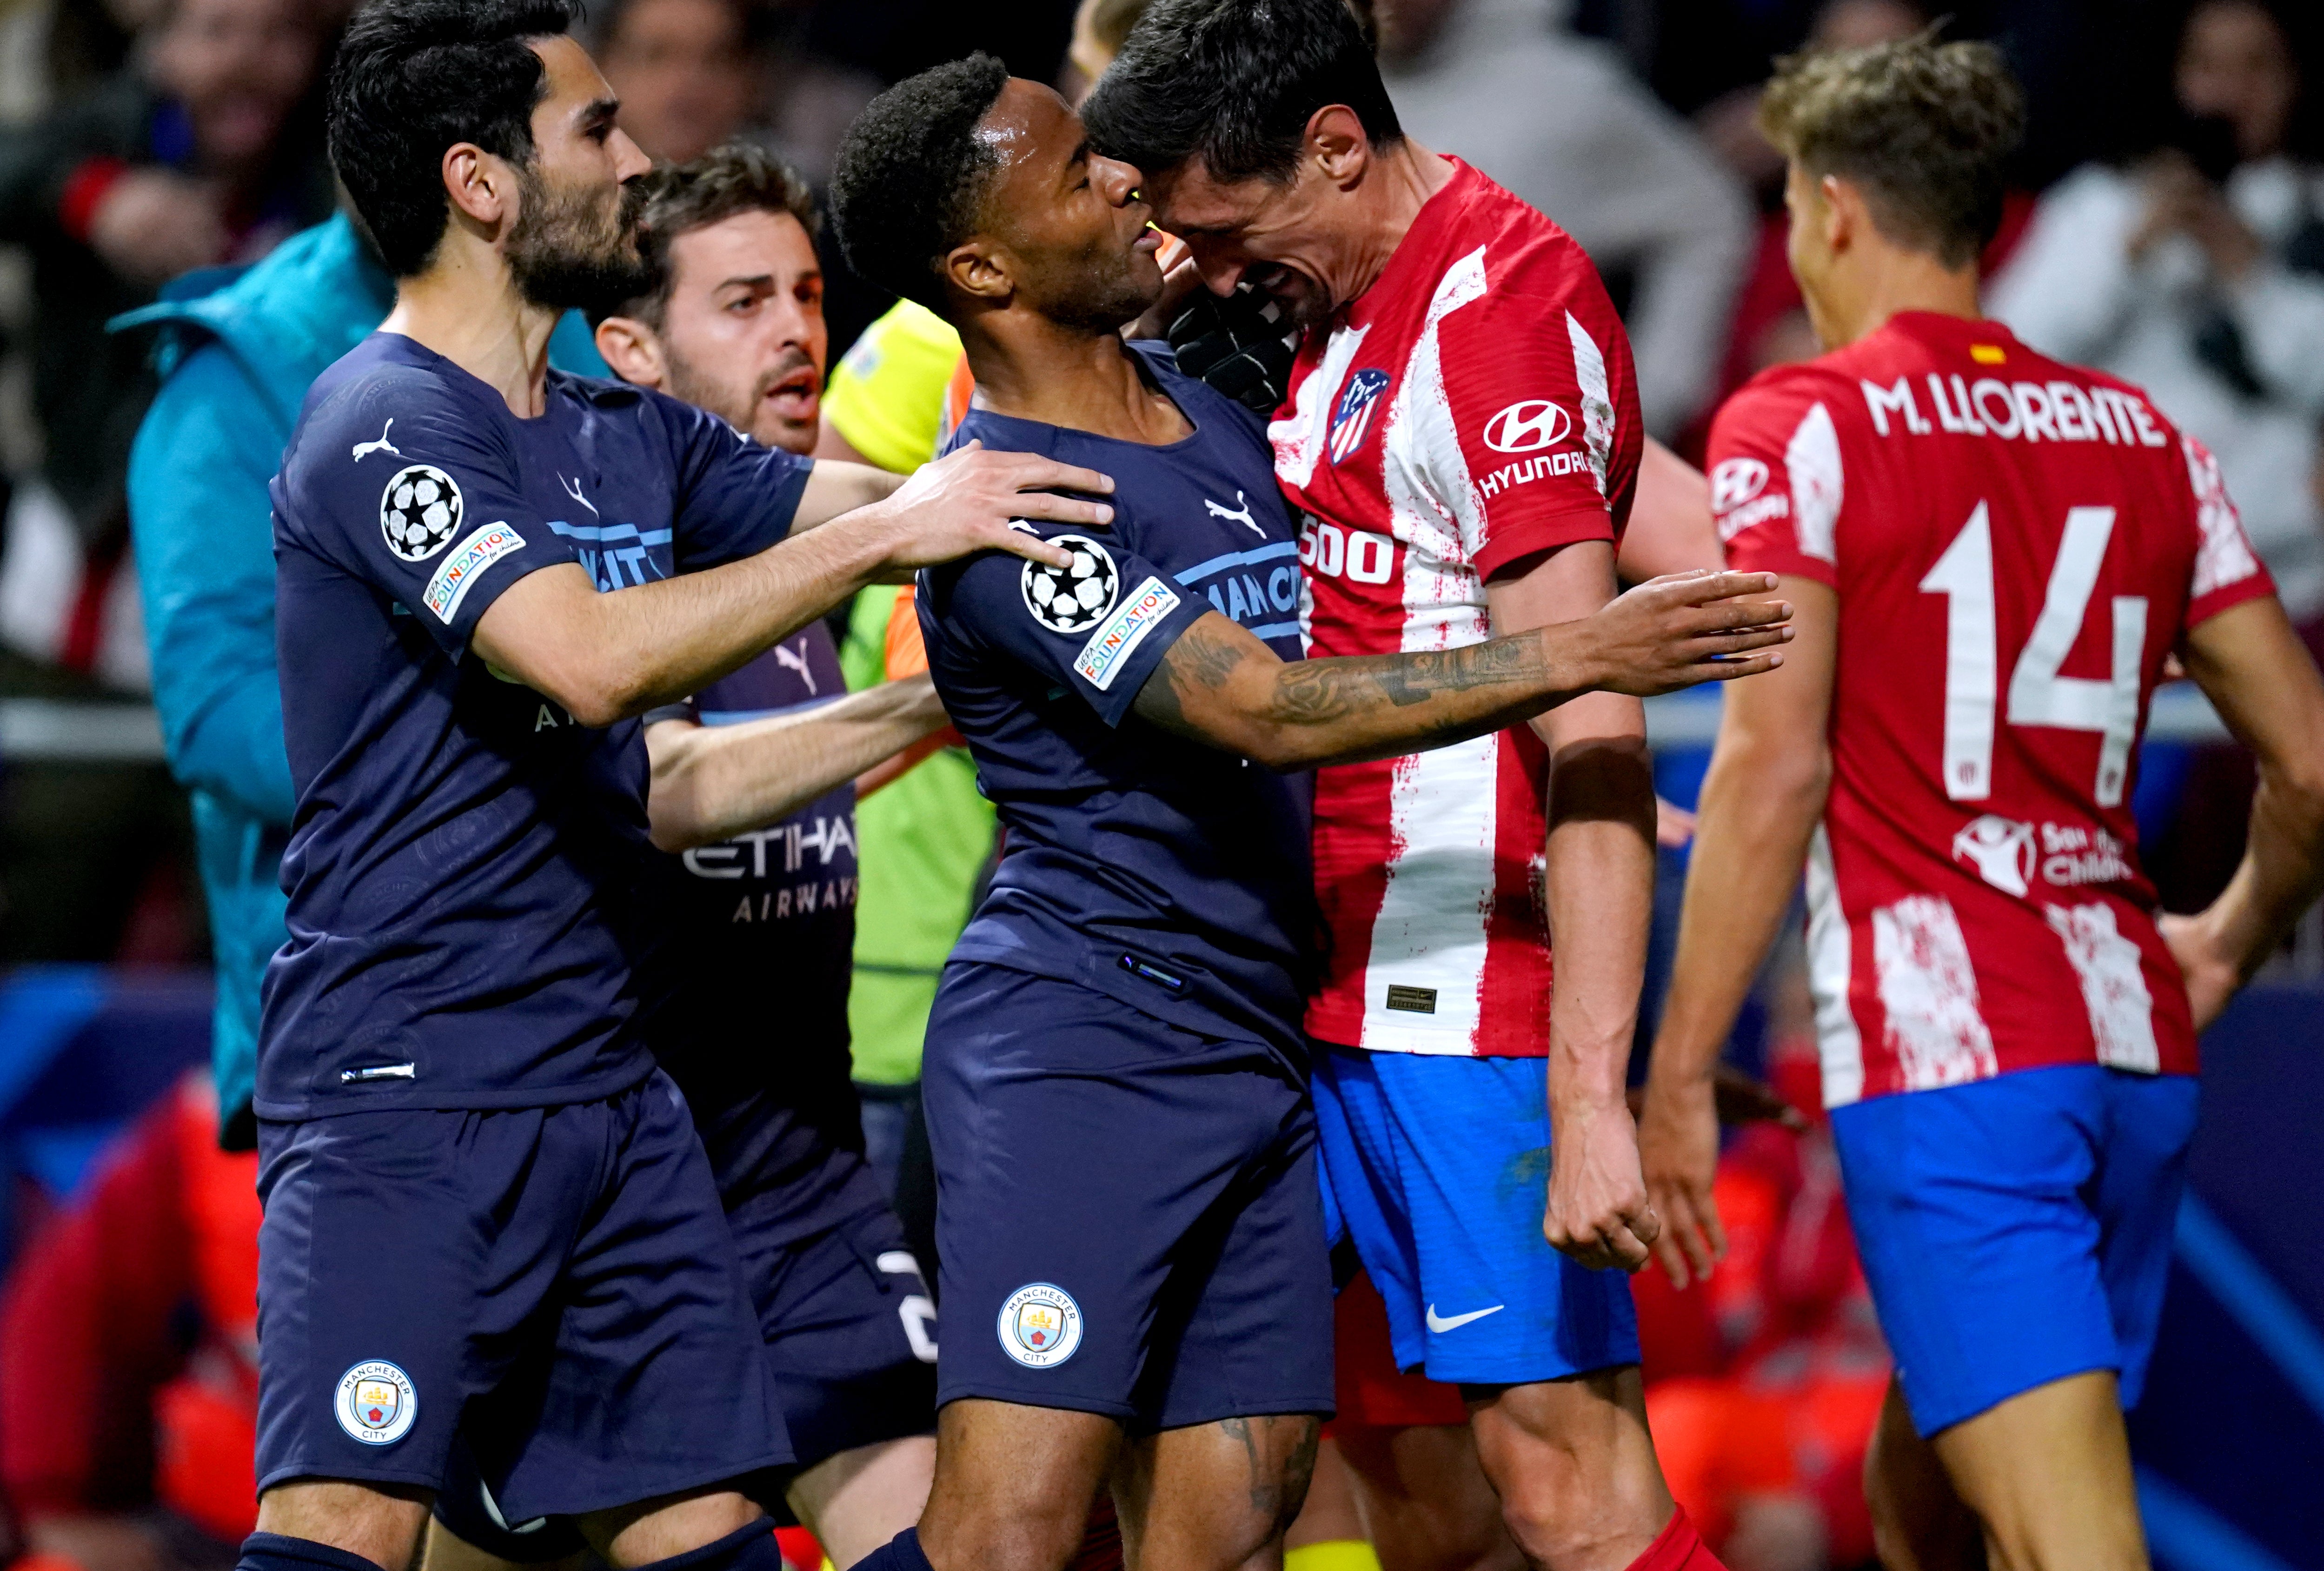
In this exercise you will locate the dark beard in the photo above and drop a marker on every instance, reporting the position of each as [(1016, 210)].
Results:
[(574, 250)]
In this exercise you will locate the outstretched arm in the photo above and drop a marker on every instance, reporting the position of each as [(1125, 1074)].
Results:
[(712, 782), (2253, 668), (1222, 686), (605, 657), (1770, 773)]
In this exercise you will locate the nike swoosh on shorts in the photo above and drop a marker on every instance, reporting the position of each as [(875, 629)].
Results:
[(1442, 1324)]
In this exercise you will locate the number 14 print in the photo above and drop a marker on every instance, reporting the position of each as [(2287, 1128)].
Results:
[(2038, 694)]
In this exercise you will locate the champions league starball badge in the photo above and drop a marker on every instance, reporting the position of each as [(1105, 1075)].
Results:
[(1040, 1326), (1073, 598), (376, 1402), (419, 512)]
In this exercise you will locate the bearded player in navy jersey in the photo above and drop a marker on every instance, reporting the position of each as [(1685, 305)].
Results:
[(1131, 1234), (487, 1217), (753, 799)]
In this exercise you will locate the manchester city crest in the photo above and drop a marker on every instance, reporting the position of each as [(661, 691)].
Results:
[(1040, 1326), (376, 1402)]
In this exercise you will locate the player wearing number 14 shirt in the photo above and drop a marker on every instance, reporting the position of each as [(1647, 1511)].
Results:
[(1994, 555)]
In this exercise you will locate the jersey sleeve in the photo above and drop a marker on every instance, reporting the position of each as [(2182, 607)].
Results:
[(424, 504), (2227, 571), (734, 497), (1777, 481), (1098, 629), (1536, 393)]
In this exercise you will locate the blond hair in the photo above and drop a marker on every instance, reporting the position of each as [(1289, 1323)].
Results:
[(1925, 129)]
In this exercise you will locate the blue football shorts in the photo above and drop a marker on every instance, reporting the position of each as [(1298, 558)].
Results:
[(557, 1286), (1438, 1168), (2017, 1230), (1126, 1214)]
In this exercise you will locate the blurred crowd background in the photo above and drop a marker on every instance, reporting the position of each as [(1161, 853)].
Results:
[(2167, 224)]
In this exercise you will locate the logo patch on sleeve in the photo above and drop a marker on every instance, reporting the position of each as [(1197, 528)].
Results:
[(480, 550), (376, 1402), (419, 510), (1040, 1326), (1110, 646), (1071, 598)]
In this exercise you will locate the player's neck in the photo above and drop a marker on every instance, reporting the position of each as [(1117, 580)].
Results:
[(1395, 188), (1028, 368), (1879, 282), (468, 309)]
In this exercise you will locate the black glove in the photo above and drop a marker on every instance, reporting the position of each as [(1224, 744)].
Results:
[(1238, 345)]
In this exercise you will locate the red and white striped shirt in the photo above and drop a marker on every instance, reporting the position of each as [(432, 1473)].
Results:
[(1474, 408), (2017, 545)]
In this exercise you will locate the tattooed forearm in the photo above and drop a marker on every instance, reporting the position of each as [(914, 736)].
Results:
[(1332, 690), (1220, 685)]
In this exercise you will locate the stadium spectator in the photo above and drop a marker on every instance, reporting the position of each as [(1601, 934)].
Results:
[(2198, 272), (1557, 120), (235, 361), (128, 1385), (686, 71), (197, 155)]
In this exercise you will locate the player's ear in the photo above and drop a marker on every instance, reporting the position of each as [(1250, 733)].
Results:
[(1336, 144), (633, 350), (1843, 215), (979, 272), (481, 187)]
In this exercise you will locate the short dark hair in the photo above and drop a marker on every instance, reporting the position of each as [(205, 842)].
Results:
[(1927, 129), (909, 181), (679, 199), (413, 76), (1234, 82)]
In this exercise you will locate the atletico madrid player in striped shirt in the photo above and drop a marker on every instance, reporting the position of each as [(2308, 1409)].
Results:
[(1464, 440), (1994, 555)]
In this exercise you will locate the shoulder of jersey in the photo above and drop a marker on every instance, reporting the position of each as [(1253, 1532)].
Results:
[(1783, 386)]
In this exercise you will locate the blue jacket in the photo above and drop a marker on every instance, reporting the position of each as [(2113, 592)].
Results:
[(237, 350)]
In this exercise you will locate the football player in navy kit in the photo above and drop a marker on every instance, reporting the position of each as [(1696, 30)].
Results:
[(487, 1217), (1131, 1234), (752, 791)]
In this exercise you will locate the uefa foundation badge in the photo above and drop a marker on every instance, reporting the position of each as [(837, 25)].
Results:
[(1040, 1326), (376, 1403)]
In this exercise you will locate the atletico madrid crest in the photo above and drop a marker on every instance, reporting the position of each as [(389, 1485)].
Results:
[(1040, 1326), (1352, 421)]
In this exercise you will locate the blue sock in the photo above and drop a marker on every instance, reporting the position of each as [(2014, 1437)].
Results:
[(746, 1548), (900, 1553), (282, 1552)]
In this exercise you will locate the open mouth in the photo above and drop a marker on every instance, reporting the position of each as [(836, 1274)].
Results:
[(794, 397)]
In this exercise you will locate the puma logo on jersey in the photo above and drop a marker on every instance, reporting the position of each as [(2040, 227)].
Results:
[(572, 490), (1239, 513), (795, 660), (363, 450)]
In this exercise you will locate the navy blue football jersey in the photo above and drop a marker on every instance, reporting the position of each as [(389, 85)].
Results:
[(464, 868), (1168, 874), (759, 932)]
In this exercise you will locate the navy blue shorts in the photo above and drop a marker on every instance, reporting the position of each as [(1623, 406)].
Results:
[(2016, 1231), (1127, 1213), (558, 1285), (1439, 1168)]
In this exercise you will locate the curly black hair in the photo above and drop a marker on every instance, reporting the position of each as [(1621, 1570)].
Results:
[(1234, 83), (911, 176), (413, 76)]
